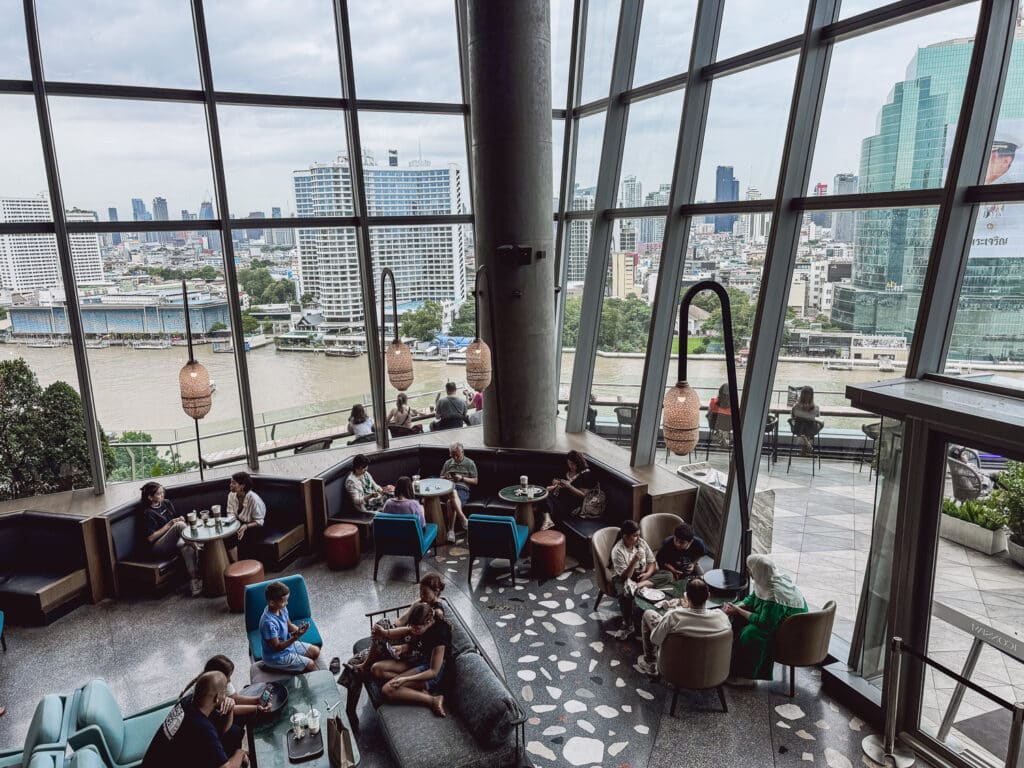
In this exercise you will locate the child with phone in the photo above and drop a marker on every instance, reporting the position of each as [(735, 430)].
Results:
[(282, 648)]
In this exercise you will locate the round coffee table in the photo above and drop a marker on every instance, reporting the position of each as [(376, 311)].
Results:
[(215, 556), (431, 490), (516, 494)]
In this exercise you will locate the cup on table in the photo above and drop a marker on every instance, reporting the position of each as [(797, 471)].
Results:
[(314, 722), (415, 483), (300, 721), (191, 518), (524, 480), (215, 509), (531, 492), (205, 515)]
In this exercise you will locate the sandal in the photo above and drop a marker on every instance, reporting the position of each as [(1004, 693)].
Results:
[(548, 524)]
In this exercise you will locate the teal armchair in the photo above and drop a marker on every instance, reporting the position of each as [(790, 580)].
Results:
[(120, 741), (401, 535), (496, 536), (86, 757), (47, 733), (298, 611)]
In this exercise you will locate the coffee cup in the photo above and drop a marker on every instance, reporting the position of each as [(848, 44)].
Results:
[(192, 517), (314, 722), (524, 480), (215, 509), (300, 722)]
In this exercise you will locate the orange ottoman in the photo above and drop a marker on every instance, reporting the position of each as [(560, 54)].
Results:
[(341, 541), (236, 577), (547, 554)]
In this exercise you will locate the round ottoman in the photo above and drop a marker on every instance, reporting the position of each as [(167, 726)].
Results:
[(547, 554), (341, 541), (236, 577)]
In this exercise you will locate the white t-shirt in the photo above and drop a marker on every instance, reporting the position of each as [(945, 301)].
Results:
[(253, 509), (621, 556)]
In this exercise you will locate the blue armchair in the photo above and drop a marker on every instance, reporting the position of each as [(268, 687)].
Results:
[(47, 733), (496, 536), (88, 757), (401, 535), (298, 611), (121, 741)]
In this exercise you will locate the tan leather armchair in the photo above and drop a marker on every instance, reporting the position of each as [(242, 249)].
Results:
[(696, 662), (802, 640), (601, 544), (658, 527)]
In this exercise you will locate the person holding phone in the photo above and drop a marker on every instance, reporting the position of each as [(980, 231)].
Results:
[(231, 717), (461, 470), (282, 648)]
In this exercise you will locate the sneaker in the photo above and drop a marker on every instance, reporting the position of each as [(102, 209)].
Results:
[(451, 537), (196, 586), (645, 667)]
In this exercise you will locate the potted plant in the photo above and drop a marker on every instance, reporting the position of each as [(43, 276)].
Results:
[(978, 524), (1010, 497)]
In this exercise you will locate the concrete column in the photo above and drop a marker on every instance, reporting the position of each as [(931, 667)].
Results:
[(510, 113)]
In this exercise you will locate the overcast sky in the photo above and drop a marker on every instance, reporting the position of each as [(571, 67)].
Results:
[(110, 151)]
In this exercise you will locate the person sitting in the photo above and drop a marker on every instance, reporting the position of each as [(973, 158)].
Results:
[(681, 552), (282, 649), (359, 422), (230, 718), (805, 420), (404, 501), (633, 566), (419, 683), (720, 412), (461, 470), (756, 618), (403, 414), (687, 616), (163, 527), (475, 401), (245, 505), (566, 494), (363, 492), (450, 408), (188, 736)]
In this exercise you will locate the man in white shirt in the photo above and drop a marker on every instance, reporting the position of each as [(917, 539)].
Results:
[(688, 616)]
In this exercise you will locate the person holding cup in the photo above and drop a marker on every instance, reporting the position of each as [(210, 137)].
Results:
[(163, 527)]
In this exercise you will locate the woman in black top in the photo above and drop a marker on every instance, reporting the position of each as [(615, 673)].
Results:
[(566, 494), (407, 681), (162, 527)]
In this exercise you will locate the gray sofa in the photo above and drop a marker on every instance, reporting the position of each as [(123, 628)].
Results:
[(486, 725)]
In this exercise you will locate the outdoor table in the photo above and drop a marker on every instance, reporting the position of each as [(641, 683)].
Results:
[(215, 555), (520, 496), (431, 490), (267, 748)]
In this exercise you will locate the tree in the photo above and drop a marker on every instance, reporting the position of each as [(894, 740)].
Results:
[(423, 323), (250, 324), (218, 326), (742, 310), (307, 299), (3, 313), (571, 322), (138, 462), (263, 288), (465, 323), (65, 450), (267, 327)]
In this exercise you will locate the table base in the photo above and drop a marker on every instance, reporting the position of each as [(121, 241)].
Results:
[(215, 561)]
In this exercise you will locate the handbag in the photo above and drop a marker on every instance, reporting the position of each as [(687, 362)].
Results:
[(593, 505), (339, 743)]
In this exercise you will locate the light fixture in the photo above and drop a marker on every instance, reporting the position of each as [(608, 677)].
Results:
[(194, 383), (478, 354), (397, 356)]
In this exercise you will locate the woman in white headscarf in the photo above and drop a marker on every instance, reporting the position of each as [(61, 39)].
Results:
[(756, 618)]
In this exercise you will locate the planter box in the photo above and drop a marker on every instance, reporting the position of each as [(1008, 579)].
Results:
[(1016, 552), (972, 536)]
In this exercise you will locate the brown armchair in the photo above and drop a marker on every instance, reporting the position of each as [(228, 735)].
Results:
[(696, 662), (601, 544), (658, 527), (802, 640)]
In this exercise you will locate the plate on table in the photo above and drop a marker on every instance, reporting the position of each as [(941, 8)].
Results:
[(652, 595), (278, 694)]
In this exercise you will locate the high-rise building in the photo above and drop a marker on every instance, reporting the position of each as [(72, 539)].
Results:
[(843, 222), (727, 190), (579, 237), (428, 260), (651, 231), (755, 226), (821, 218), (255, 234), (623, 275), (632, 192), (212, 236), (160, 213), (115, 237), (29, 262), (285, 237)]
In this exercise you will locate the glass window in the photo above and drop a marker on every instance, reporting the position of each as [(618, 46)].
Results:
[(750, 24), (123, 42), (602, 28), (143, 160), (648, 155), (666, 30), (21, 165), (746, 129), (268, 164), (853, 7), (589, 136), (13, 51), (286, 48), (989, 326), (892, 131), (406, 51), (561, 48), (557, 143)]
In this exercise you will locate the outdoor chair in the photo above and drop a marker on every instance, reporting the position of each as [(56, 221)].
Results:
[(696, 662), (802, 640), (871, 434), (968, 482), (720, 423), (601, 544), (316, 445), (121, 741), (370, 438), (495, 536), (449, 422), (815, 443), (626, 415), (47, 733), (298, 611), (396, 430), (401, 535)]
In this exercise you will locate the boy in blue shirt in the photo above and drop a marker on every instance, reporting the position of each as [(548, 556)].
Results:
[(280, 638)]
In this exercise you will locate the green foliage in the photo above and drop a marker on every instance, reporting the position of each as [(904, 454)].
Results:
[(742, 310), (250, 324), (217, 327), (465, 322), (3, 313), (257, 263), (136, 463), (263, 288), (42, 435), (267, 327), (307, 299), (423, 323), (170, 273), (571, 322), (1009, 497), (624, 324), (983, 512)]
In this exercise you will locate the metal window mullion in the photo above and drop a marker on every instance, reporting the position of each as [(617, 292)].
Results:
[(359, 206), (227, 245), (769, 324), (954, 228), (626, 43), (64, 257), (462, 39), (570, 134), (664, 310)]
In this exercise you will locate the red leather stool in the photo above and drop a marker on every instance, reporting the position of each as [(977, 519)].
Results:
[(236, 577), (547, 554), (341, 541)]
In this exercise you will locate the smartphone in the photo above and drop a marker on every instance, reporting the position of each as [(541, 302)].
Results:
[(265, 696)]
